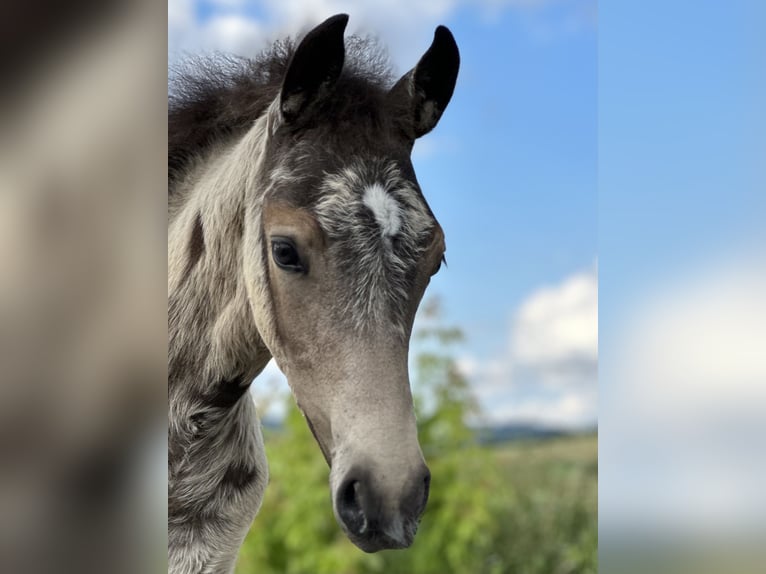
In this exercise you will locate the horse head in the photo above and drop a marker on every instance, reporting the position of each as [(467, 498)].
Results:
[(339, 250)]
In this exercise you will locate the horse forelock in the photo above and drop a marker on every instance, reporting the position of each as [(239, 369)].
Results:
[(216, 99)]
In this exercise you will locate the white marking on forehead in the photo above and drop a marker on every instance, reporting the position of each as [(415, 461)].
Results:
[(378, 272), (385, 209)]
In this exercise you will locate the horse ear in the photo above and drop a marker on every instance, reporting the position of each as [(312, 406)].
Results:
[(428, 87), (314, 68)]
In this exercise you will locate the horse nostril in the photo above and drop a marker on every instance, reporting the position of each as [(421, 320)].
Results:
[(350, 507), (426, 489)]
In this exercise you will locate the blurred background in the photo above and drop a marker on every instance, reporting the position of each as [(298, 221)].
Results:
[(682, 257), (83, 332), (505, 351)]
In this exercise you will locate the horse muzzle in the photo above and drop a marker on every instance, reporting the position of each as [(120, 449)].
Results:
[(372, 516)]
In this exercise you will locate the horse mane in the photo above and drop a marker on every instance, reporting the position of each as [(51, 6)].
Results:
[(214, 98)]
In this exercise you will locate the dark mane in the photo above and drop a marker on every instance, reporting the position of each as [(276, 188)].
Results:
[(214, 98)]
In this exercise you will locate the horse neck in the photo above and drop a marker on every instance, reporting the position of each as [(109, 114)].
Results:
[(212, 334), (217, 468)]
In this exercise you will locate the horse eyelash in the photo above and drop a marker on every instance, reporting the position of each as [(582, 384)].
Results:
[(442, 263)]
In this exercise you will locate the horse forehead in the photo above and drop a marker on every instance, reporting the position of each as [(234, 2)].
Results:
[(379, 227), (377, 192)]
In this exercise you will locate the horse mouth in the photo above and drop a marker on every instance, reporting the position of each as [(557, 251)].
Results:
[(375, 540)]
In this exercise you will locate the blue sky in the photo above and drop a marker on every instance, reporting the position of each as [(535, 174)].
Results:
[(682, 261), (510, 172), (681, 149)]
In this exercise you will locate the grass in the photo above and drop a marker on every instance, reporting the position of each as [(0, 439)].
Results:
[(548, 505)]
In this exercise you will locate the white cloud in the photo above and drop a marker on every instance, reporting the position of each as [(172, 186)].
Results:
[(687, 393), (491, 378), (559, 324), (234, 34), (227, 30), (570, 410), (182, 25), (699, 342), (180, 12), (548, 373)]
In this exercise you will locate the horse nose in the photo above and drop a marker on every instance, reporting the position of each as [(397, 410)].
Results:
[(353, 496), (422, 486), (363, 507)]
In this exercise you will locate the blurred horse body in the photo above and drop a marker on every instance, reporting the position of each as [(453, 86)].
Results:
[(297, 230)]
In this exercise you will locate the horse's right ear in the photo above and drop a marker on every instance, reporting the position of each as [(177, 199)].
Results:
[(314, 68)]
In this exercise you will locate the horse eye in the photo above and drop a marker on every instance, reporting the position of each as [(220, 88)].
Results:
[(286, 255)]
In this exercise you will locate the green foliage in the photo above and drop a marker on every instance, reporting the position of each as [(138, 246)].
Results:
[(527, 508)]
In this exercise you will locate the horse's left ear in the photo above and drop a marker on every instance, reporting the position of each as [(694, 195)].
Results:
[(314, 68), (427, 88)]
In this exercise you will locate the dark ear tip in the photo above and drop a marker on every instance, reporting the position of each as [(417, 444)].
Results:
[(443, 34), (339, 20), (445, 41)]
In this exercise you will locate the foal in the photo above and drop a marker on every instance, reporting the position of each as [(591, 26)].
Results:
[(297, 230)]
